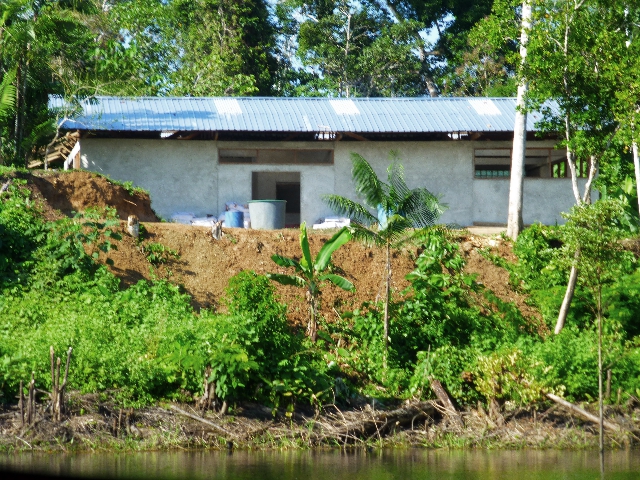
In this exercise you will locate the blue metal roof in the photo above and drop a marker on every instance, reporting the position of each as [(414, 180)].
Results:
[(277, 114)]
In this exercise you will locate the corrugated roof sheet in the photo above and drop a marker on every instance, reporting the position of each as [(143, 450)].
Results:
[(261, 114)]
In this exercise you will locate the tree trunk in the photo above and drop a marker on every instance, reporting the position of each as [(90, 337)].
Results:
[(600, 396), (514, 221), (387, 298), (636, 167), (568, 296), (312, 329)]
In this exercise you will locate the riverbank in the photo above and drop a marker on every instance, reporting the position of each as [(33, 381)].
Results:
[(95, 425)]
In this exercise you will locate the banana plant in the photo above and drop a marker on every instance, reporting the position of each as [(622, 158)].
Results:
[(311, 274)]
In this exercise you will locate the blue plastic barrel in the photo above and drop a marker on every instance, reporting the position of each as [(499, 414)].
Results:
[(234, 219)]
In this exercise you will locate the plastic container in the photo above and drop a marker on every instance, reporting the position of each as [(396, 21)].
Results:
[(234, 219), (267, 214)]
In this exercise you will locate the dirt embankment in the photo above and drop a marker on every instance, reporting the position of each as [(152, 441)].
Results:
[(205, 265), (204, 268)]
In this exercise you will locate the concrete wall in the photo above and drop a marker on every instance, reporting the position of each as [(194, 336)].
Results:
[(180, 175), (184, 176), (444, 168), (543, 200), (234, 180)]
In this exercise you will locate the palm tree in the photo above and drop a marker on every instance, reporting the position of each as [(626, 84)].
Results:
[(399, 210)]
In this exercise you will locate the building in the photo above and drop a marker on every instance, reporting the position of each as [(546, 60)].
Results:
[(196, 154)]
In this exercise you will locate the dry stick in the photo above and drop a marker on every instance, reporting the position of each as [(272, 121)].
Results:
[(21, 403), (32, 400), (206, 422), (60, 393), (583, 413), (52, 359), (56, 410)]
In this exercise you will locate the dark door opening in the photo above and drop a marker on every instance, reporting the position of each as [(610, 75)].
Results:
[(279, 186)]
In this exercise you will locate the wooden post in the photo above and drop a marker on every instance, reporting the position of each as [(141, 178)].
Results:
[(32, 400), (56, 390), (52, 359), (21, 403), (64, 383)]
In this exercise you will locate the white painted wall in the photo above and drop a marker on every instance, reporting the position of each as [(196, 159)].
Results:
[(543, 200), (180, 175), (184, 176)]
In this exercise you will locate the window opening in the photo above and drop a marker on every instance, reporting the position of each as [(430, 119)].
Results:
[(276, 156), (539, 163)]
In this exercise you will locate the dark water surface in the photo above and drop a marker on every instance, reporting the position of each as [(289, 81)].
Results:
[(333, 465)]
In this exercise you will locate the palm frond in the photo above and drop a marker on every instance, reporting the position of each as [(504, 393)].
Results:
[(7, 92), (368, 185), (397, 228), (398, 186), (422, 207), (365, 235), (355, 211)]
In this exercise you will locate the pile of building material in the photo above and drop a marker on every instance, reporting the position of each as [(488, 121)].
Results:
[(187, 218), (332, 222)]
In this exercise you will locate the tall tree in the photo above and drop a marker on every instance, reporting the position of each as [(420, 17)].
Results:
[(374, 47), (565, 65), (350, 48), (136, 50), (399, 209), (514, 221), (623, 69), (452, 20), (225, 47), (39, 38)]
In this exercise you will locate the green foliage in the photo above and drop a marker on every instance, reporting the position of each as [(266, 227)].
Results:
[(142, 343), (507, 374), (157, 253), (536, 248), (311, 273), (594, 230), (626, 194)]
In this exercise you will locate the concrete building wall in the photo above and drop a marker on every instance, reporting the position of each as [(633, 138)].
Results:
[(543, 200), (184, 176), (180, 175), (444, 168), (234, 180)]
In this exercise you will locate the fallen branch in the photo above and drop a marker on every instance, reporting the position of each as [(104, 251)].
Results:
[(449, 409), (206, 422), (584, 414)]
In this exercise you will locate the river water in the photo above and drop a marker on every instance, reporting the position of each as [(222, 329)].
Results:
[(333, 465)]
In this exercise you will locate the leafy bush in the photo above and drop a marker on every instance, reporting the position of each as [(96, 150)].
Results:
[(536, 249)]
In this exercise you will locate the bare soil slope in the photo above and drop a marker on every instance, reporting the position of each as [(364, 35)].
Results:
[(205, 265)]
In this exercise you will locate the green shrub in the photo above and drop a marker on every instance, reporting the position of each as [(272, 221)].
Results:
[(536, 249)]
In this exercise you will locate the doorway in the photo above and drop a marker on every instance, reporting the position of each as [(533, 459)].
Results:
[(279, 186)]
